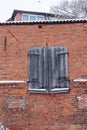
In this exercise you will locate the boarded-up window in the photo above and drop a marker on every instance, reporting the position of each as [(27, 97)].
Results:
[(48, 70)]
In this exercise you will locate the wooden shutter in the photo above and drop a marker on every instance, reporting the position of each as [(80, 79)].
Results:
[(48, 69), (58, 68), (37, 69)]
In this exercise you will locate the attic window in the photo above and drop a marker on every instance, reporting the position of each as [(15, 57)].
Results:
[(32, 18), (40, 18), (48, 70), (36, 17), (25, 17)]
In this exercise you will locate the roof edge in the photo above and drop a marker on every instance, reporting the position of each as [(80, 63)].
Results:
[(69, 21)]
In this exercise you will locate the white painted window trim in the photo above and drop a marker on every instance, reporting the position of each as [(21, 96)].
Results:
[(12, 81), (80, 80)]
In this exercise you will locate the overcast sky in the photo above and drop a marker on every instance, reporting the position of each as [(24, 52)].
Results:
[(7, 6)]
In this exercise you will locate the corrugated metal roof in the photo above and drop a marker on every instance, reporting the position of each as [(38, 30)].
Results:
[(66, 21)]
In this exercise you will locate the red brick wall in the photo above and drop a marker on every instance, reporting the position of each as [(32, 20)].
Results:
[(20, 110), (18, 17)]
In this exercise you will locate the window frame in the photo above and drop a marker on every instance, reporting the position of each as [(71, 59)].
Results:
[(30, 15), (40, 16), (33, 16), (25, 15), (36, 17)]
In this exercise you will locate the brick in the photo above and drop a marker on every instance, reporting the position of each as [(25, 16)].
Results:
[(42, 112)]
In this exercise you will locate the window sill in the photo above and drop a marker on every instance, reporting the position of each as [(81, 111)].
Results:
[(60, 90), (56, 90), (37, 90)]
